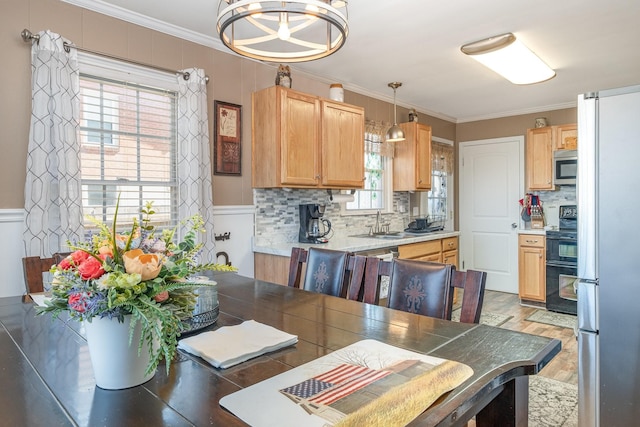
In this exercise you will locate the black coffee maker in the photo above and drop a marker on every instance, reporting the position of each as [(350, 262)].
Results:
[(313, 228)]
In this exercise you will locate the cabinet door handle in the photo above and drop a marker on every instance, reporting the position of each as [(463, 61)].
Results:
[(531, 241)]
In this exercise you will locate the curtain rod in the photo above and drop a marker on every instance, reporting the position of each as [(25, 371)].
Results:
[(29, 37)]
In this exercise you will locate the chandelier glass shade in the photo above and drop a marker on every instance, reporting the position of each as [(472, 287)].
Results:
[(283, 31)]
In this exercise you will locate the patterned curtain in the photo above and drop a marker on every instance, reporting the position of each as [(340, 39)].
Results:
[(374, 138), (442, 157), (194, 157), (53, 197)]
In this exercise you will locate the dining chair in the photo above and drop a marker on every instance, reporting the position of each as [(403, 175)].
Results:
[(34, 268), (365, 287), (327, 271), (421, 287), (426, 288)]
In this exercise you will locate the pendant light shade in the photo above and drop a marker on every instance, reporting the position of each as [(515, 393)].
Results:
[(394, 134), (283, 31)]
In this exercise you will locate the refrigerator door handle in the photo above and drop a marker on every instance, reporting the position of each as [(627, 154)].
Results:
[(588, 306), (588, 380)]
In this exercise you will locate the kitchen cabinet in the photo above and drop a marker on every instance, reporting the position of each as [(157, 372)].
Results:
[(412, 159), (531, 267), (450, 251), (539, 159), (541, 143), (566, 137), (271, 268), (304, 141), (439, 250)]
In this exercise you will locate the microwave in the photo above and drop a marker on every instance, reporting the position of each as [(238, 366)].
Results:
[(565, 167)]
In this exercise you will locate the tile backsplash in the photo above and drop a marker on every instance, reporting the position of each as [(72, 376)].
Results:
[(277, 218), (552, 200)]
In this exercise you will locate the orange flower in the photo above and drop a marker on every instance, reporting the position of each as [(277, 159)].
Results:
[(146, 265)]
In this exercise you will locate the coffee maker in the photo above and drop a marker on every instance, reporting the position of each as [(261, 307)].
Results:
[(313, 228)]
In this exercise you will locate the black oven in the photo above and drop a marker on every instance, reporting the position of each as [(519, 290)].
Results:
[(562, 263)]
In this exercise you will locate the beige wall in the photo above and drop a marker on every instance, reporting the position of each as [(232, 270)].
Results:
[(232, 79)]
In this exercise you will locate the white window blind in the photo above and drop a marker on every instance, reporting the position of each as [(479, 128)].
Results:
[(128, 147)]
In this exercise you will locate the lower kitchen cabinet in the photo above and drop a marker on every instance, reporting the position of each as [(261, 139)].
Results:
[(531, 267), (271, 268)]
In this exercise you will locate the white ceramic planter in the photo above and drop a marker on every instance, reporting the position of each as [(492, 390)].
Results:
[(116, 365)]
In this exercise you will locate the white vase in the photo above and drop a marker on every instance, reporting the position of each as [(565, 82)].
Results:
[(116, 365)]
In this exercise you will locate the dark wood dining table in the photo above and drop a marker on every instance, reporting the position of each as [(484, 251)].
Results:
[(47, 378)]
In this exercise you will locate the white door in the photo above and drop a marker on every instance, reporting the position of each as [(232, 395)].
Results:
[(491, 182)]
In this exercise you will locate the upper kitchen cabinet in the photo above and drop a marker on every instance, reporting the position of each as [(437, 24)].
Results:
[(566, 137), (412, 159), (541, 143), (304, 141), (539, 159)]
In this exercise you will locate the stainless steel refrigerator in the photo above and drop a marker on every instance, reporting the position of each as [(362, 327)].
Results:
[(609, 257)]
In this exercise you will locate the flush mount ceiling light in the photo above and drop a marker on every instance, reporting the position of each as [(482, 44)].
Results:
[(283, 31), (510, 58), (394, 134)]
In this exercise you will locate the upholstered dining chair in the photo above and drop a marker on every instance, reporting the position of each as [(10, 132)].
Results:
[(421, 287), (426, 288), (327, 271)]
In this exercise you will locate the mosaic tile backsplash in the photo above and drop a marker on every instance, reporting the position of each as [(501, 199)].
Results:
[(277, 218)]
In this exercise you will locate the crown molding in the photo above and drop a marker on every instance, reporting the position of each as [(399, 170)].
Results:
[(519, 112), (123, 14)]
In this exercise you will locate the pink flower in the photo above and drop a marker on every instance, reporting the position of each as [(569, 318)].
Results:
[(90, 268), (162, 296), (76, 258), (78, 302)]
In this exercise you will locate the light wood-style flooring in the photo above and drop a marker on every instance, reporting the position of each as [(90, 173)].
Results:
[(563, 367)]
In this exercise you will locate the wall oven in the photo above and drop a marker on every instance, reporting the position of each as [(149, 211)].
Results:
[(562, 263)]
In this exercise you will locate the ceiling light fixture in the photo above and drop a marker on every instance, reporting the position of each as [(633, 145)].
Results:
[(283, 31), (509, 57), (394, 134)]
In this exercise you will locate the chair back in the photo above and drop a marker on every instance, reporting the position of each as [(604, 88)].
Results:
[(34, 267), (421, 287), (327, 271), (473, 283), (366, 288)]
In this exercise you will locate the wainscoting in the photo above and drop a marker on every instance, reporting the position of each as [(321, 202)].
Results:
[(236, 220), (11, 252)]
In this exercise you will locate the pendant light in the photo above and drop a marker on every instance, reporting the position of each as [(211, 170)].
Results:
[(395, 134)]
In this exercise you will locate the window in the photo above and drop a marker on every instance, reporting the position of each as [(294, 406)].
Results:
[(377, 193), (440, 197), (128, 142)]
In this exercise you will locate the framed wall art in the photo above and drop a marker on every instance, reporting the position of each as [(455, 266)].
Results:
[(227, 151)]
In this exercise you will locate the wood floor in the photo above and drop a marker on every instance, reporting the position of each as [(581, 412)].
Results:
[(563, 367)]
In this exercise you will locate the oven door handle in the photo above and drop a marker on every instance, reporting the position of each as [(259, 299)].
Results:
[(562, 264)]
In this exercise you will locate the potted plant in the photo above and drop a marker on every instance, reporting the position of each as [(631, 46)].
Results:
[(137, 283)]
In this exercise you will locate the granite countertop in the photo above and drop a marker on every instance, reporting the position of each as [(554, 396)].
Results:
[(538, 231), (352, 244)]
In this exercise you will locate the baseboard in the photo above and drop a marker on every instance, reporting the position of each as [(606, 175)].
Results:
[(533, 304)]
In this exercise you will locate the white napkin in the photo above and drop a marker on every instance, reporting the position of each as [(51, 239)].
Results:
[(40, 298), (231, 345)]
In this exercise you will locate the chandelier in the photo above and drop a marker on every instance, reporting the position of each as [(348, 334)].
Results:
[(283, 31)]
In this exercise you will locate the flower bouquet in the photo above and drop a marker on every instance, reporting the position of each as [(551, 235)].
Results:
[(142, 273)]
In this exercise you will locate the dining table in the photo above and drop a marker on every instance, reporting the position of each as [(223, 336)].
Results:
[(47, 377)]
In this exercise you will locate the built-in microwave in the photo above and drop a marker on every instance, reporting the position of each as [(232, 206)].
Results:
[(565, 167)]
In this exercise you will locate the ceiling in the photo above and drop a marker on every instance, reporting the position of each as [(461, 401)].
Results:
[(592, 45)]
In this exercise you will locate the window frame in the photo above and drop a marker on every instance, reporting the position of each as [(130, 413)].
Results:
[(119, 71), (387, 206)]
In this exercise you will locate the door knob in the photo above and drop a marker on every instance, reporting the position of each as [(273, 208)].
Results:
[(514, 225)]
